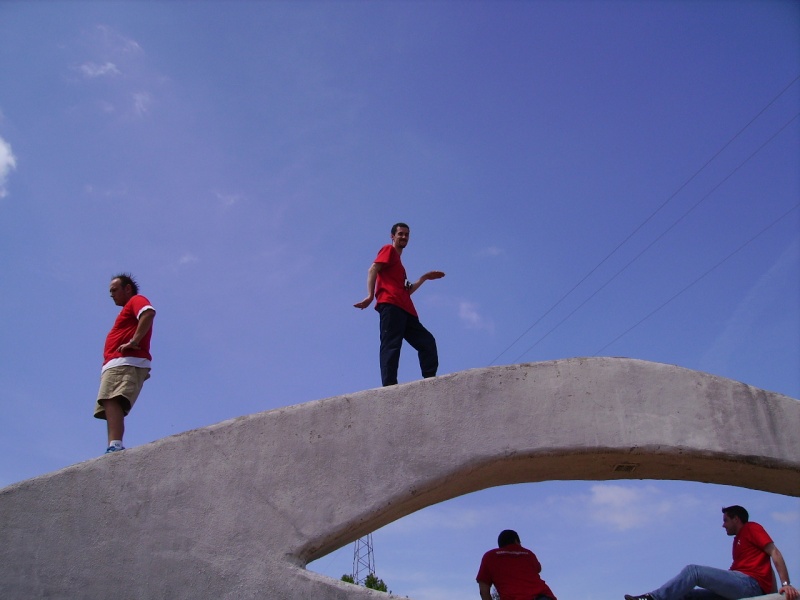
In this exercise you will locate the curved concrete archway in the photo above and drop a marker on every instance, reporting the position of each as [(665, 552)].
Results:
[(238, 509)]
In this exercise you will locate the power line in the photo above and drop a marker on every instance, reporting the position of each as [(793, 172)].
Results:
[(664, 233), (719, 264), (643, 223)]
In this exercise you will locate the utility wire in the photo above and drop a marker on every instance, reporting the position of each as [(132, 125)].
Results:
[(664, 233), (719, 264), (643, 223)]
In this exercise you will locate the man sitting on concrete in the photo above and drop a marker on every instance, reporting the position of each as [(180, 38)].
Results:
[(513, 570), (750, 574)]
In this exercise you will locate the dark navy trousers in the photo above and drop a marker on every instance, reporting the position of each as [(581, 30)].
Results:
[(398, 325)]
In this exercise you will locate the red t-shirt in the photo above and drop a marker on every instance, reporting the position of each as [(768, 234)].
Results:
[(749, 556), (122, 332), (390, 286), (514, 571)]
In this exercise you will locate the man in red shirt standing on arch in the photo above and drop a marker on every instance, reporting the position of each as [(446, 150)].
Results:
[(750, 574), (126, 357), (387, 282)]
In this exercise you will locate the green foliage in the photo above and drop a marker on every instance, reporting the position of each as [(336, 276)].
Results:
[(373, 583)]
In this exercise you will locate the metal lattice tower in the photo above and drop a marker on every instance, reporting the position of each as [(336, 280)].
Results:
[(363, 559)]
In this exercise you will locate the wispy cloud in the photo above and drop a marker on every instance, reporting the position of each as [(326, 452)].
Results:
[(490, 251), (141, 103), (105, 192), (786, 517), (441, 516), (227, 199), (8, 162), (117, 65), (472, 318), (623, 507), (92, 70), (116, 42)]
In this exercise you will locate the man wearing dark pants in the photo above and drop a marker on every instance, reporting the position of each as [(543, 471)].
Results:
[(387, 282)]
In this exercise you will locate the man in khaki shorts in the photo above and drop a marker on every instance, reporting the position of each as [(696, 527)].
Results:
[(126, 357)]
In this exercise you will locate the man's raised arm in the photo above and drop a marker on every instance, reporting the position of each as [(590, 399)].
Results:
[(429, 275)]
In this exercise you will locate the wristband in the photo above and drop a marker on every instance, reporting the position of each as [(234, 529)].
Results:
[(785, 583)]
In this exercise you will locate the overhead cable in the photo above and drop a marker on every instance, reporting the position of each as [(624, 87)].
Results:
[(643, 223)]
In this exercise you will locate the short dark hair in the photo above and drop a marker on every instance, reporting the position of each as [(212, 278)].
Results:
[(396, 225), (736, 511), (506, 537), (126, 279)]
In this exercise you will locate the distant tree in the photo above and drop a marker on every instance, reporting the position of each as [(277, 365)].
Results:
[(371, 582)]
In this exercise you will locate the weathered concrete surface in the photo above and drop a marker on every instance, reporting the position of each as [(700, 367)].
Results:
[(238, 509)]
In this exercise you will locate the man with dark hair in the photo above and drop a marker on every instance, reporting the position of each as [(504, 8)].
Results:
[(386, 281), (513, 570), (750, 574), (126, 358)]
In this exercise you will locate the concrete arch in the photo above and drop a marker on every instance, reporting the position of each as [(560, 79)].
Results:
[(237, 510)]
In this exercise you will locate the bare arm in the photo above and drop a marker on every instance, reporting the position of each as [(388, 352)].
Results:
[(429, 275), (145, 323), (485, 590), (372, 275), (789, 590)]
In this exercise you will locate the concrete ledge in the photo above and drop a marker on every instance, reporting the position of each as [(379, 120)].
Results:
[(237, 510)]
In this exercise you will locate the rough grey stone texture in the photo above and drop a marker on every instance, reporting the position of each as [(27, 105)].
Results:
[(237, 510)]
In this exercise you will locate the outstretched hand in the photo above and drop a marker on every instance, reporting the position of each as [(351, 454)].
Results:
[(433, 275), (364, 303)]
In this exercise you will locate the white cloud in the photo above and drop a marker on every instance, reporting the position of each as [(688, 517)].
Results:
[(468, 313), (227, 199), (116, 42), (440, 516), (491, 251), (105, 192), (187, 258), (8, 162), (624, 507), (92, 70), (141, 103), (786, 517)]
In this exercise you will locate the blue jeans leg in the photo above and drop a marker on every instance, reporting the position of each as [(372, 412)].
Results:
[(716, 584)]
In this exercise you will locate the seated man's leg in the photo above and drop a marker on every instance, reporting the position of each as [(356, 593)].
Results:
[(424, 343), (716, 583), (701, 594), (393, 325)]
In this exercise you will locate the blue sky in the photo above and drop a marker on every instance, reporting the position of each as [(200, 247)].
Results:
[(595, 178)]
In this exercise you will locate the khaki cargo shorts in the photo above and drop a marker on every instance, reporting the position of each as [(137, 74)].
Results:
[(123, 382)]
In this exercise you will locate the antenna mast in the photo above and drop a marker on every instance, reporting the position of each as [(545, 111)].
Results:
[(363, 559)]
